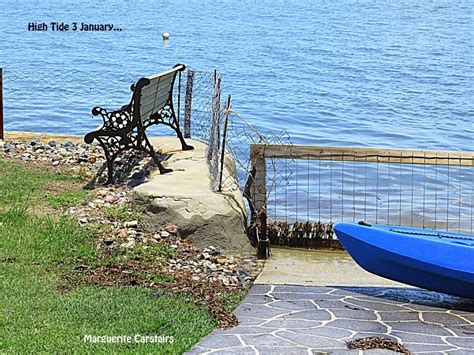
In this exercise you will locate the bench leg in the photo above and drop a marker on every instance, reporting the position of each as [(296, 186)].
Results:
[(109, 158), (155, 158), (110, 172), (184, 145)]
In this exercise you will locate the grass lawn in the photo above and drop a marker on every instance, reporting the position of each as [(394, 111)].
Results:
[(38, 249)]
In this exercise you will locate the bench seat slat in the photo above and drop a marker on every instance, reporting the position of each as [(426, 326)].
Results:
[(157, 85), (153, 100), (153, 107), (173, 70)]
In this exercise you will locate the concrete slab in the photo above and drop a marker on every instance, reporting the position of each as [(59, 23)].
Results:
[(317, 267)]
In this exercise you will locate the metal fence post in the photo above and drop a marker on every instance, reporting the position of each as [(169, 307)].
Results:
[(216, 108), (214, 134), (1, 104), (223, 143), (259, 198), (188, 103)]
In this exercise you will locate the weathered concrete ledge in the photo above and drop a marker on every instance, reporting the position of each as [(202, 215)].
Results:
[(185, 198)]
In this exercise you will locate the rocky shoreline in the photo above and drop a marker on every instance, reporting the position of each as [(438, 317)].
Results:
[(139, 253)]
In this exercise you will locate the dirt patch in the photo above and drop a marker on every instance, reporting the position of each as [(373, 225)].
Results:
[(205, 291), (56, 187)]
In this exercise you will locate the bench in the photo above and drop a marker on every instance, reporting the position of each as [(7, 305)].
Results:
[(124, 129)]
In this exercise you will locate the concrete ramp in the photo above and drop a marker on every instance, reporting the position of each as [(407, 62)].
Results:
[(290, 266)]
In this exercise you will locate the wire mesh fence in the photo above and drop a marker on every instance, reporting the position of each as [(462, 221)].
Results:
[(203, 116), (241, 135), (428, 196), (326, 185), (199, 89)]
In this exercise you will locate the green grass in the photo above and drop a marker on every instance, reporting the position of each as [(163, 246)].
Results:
[(68, 198), (36, 251), (151, 253), (232, 299), (122, 213)]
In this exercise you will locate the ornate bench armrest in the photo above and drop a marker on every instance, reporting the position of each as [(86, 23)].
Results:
[(112, 121)]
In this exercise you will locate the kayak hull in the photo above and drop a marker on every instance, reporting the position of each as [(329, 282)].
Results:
[(413, 256)]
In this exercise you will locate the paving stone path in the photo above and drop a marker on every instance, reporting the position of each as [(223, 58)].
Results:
[(281, 319)]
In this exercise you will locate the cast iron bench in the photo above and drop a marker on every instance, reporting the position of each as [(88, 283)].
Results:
[(124, 129)]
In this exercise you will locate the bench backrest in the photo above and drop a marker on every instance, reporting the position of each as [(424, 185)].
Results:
[(157, 91)]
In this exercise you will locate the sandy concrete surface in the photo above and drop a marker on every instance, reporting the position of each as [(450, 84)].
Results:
[(317, 267)]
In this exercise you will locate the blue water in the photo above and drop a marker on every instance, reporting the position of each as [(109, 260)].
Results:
[(372, 73)]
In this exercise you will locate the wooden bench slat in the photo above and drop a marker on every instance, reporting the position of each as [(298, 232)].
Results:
[(157, 86), (153, 100), (153, 107), (176, 68)]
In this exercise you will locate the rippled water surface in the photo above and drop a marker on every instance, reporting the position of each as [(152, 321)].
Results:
[(375, 73)]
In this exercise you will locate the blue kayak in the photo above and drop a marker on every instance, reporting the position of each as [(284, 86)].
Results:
[(434, 260)]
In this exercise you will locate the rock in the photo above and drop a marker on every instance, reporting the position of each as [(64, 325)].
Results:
[(131, 224), (55, 163), (131, 232), (222, 260), (164, 234), (9, 148), (98, 202), (110, 198), (37, 148), (205, 256), (109, 241), (68, 144), (171, 228), (83, 159), (52, 143), (213, 250), (27, 157), (210, 265), (138, 175), (83, 220), (128, 244)]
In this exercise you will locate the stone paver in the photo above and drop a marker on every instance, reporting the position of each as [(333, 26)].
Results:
[(282, 319)]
